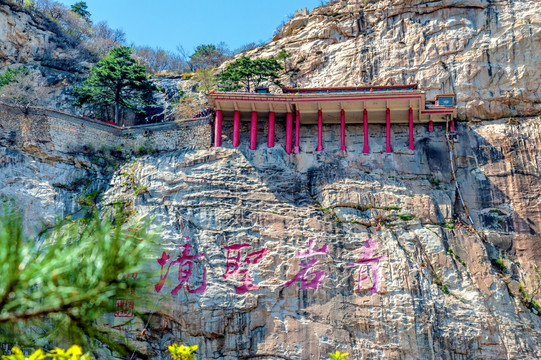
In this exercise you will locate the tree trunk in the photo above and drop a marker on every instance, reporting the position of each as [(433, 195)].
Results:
[(116, 114)]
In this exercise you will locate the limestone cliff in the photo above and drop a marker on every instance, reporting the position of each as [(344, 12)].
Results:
[(431, 286), (31, 40), (439, 294), (484, 51)]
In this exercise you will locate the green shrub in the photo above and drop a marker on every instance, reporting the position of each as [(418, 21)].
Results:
[(522, 291), (10, 73), (405, 217), (144, 150), (141, 190), (536, 306), (499, 263), (89, 199)]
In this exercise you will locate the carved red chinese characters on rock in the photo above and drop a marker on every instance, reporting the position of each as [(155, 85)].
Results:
[(234, 265), (185, 268), (368, 266), (303, 276)]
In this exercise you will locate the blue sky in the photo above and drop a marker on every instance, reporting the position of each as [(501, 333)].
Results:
[(168, 23)]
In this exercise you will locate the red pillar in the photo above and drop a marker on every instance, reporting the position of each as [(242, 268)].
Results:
[(236, 128), (452, 126), (366, 148), (430, 126), (270, 139), (319, 131), (342, 130), (388, 120), (297, 131), (412, 147), (253, 131), (218, 129), (289, 131)]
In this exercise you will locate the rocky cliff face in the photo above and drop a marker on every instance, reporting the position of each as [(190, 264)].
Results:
[(484, 51), (432, 293), (439, 294), (28, 39), (31, 40), (392, 267)]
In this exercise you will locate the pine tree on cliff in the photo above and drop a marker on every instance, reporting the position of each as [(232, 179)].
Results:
[(247, 73), (80, 8), (54, 287), (117, 81)]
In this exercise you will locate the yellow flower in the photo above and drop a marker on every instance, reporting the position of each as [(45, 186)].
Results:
[(182, 352), (73, 353), (18, 355), (338, 356)]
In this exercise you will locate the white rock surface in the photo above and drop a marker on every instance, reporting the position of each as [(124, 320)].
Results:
[(486, 52)]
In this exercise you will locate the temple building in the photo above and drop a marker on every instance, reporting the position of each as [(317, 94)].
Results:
[(348, 105)]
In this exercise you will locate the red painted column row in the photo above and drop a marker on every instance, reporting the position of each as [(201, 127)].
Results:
[(289, 130)]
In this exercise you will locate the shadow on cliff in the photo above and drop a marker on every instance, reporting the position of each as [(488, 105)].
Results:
[(473, 152), (430, 160)]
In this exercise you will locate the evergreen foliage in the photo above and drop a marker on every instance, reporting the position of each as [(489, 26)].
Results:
[(117, 81), (248, 74), (55, 289), (80, 8), (283, 56)]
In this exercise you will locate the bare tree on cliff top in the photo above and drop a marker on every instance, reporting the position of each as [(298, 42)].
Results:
[(117, 81), (208, 56), (23, 91)]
